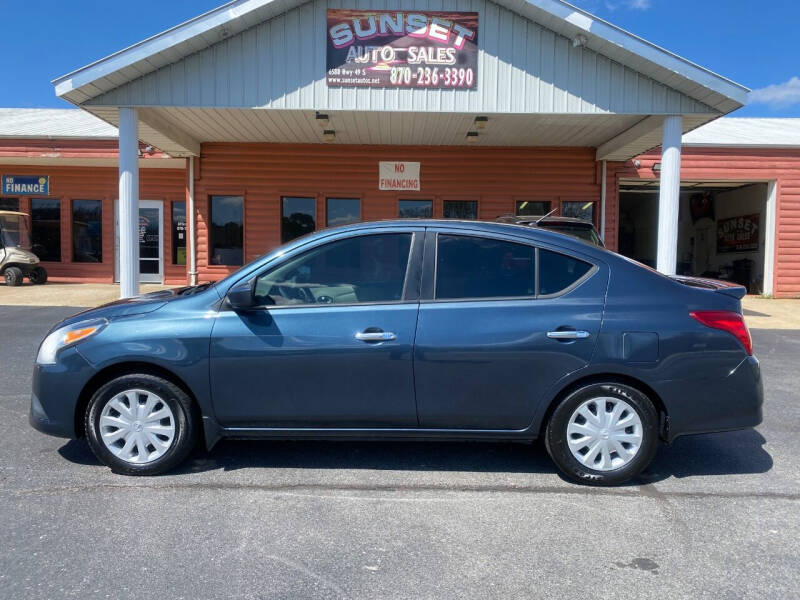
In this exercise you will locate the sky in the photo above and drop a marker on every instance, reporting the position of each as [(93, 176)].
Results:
[(752, 43)]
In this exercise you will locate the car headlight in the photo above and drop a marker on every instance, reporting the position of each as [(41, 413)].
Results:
[(67, 336)]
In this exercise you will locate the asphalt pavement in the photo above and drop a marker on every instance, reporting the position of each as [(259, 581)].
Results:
[(715, 516)]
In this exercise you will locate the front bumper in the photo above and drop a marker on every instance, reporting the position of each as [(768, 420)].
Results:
[(56, 391), (714, 405)]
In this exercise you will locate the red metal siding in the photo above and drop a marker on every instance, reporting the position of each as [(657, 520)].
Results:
[(263, 173), (742, 164)]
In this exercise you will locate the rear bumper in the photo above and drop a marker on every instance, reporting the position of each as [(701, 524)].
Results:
[(726, 404), (55, 394)]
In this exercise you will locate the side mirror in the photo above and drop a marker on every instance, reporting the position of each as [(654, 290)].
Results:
[(240, 296)]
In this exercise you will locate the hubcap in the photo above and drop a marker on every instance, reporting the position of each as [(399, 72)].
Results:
[(137, 426), (604, 434)]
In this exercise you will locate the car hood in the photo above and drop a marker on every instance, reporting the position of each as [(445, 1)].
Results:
[(127, 307)]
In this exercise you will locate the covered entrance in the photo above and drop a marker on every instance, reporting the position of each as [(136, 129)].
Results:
[(151, 235), (726, 229)]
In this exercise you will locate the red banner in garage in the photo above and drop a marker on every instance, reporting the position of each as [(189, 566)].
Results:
[(738, 234)]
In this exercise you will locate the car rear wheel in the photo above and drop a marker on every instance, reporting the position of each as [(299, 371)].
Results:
[(140, 425), (13, 276), (603, 434)]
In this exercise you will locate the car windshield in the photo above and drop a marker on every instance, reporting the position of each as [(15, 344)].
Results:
[(587, 234), (14, 231)]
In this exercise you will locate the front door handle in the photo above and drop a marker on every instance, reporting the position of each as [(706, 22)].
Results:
[(375, 336), (568, 335)]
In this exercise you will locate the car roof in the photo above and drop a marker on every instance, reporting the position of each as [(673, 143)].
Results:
[(516, 229)]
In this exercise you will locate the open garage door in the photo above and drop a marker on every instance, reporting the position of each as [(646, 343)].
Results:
[(725, 231)]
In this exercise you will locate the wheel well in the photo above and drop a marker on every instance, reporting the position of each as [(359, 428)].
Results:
[(128, 368), (610, 378)]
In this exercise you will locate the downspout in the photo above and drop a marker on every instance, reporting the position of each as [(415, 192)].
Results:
[(603, 204), (192, 228)]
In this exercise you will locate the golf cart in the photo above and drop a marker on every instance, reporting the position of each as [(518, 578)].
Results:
[(16, 259)]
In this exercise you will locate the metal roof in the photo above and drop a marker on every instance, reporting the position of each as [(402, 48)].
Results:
[(746, 133), (53, 123), (234, 17)]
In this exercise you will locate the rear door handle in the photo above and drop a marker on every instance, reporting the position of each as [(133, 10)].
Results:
[(568, 335), (375, 336)]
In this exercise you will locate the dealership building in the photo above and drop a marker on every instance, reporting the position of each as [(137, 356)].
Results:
[(207, 145)]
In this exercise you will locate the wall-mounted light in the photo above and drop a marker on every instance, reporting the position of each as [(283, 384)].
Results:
[(329, 135), (472, 137), (481, 122), (657, 167), (322, 120)]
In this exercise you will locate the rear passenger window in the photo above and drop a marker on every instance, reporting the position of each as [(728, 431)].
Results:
[(473, 267), (558, 271)]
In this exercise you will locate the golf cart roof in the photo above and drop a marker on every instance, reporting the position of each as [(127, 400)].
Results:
[(12, 212)]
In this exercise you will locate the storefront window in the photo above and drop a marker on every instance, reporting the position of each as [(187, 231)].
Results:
[(226, 236), (179, 232), (87, 231), (9, 204), (579, 210), (298, 217), (533, 208), (46, 228), (341, 211), (461, 209), (415, 209)]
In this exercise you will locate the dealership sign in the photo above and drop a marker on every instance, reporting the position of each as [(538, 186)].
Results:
[(399, 176), (26, 184), (402, 49), (739, 234)]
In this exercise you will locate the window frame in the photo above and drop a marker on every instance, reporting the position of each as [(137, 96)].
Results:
[(60, 202), (553, 200), (72, 201), (407, 198), (431, 269), (411, 283), (210, 194), (453, 199), (304, 195), (328, 197)]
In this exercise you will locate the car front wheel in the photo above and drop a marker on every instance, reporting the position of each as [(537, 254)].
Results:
[(603, 434), (140, 425)]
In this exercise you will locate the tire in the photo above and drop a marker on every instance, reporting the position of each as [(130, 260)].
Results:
[(38, 276), (570, 435), (168, 400), (13, 276)]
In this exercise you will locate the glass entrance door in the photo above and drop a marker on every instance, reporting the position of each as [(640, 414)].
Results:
[(151, 241)]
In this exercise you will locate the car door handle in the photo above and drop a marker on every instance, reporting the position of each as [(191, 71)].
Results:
[(568, 335), (375, 336)]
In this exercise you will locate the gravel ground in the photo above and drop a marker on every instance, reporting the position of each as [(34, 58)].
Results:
[(714, 516)]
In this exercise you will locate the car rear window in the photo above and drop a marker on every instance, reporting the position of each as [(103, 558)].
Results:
[(557, 272)]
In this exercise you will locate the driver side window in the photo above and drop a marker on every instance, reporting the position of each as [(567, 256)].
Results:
[(368, 268)]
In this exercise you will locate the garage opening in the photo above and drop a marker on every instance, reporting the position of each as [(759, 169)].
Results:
[(723, 229)]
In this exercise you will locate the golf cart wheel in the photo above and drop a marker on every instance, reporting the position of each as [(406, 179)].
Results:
[(13, 276), (38, 276)]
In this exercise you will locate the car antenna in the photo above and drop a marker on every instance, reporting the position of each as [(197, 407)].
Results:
[(545, 216)]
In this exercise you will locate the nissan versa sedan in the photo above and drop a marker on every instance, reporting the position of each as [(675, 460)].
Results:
[(435, 330)]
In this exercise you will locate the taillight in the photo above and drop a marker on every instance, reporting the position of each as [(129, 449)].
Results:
[(728, 321)]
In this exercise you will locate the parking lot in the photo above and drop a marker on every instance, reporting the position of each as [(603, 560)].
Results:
[(714, 516)]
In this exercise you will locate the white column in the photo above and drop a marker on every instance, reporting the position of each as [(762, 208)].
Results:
[(669, 195), (191, 215), (128, 203)]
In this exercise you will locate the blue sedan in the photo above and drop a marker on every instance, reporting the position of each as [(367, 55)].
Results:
[(436, 330)]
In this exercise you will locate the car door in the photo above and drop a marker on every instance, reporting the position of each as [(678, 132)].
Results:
[(500, 322), (330, 342)]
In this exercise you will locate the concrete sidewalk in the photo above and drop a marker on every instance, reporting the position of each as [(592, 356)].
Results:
[(760, 313)]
